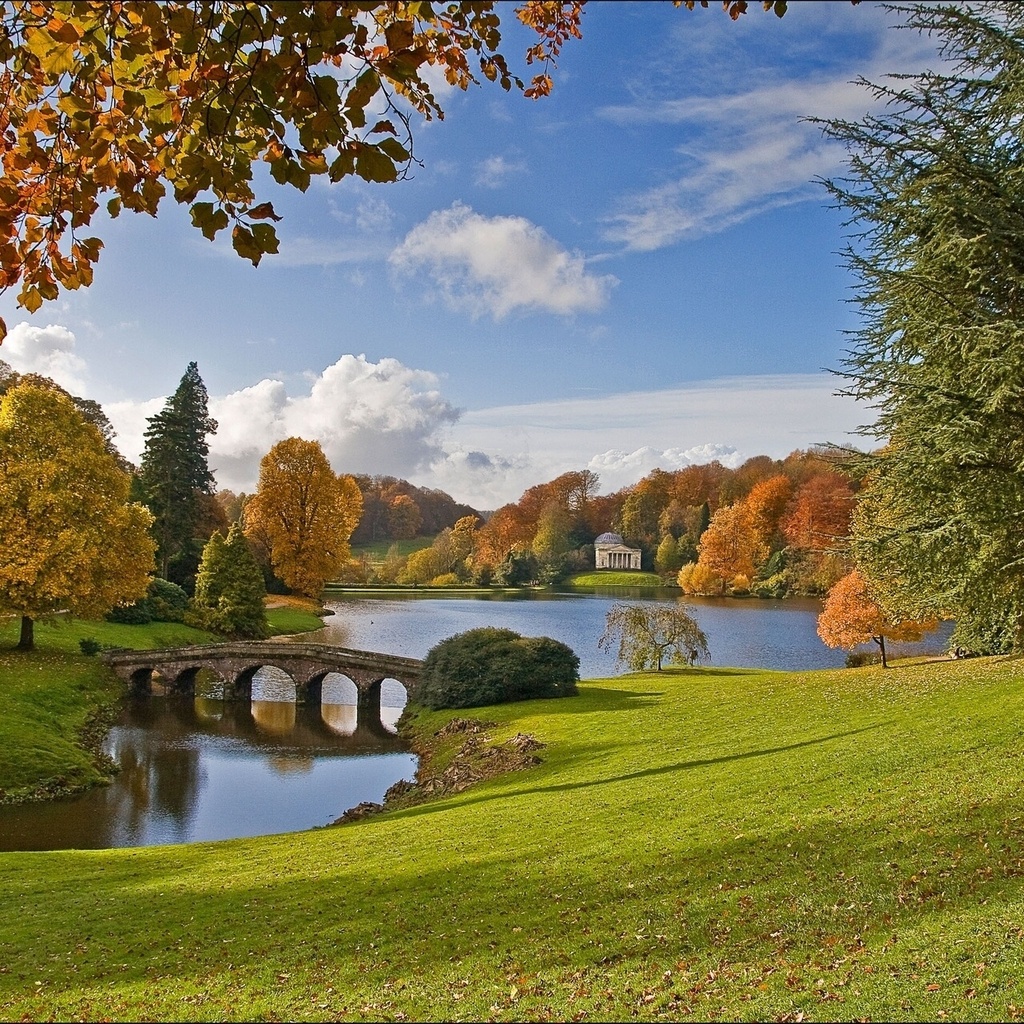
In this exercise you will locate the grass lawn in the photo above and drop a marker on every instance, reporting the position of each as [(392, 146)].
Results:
[(616, 578), (713, 843), (378, 550)]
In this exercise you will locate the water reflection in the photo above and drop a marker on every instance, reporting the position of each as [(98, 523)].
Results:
[(276, 717), (207, 769), (339, 718)]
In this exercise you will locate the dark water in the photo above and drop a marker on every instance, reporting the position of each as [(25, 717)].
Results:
[(204, 769), (744, 633)]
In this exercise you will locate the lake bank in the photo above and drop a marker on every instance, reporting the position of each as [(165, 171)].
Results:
[(732, 843)]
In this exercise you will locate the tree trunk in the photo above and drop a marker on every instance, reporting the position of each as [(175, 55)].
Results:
[(26, 641), (880, 640)]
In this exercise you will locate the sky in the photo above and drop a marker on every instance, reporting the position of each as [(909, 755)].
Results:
[(639, 271)]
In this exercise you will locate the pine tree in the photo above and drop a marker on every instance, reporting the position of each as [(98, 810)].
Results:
[(935, 197), (229, 587), (176, 477)]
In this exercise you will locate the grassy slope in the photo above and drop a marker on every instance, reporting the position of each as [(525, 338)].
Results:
[(721, 842), (616, 578)]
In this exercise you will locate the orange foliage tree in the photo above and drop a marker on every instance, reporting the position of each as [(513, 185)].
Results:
[(731, 546), (303, 514), (819, 518), (765, 505), (851, 617)]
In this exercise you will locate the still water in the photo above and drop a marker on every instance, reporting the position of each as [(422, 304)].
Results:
[(202, 769), (742, 633), (205, 769)]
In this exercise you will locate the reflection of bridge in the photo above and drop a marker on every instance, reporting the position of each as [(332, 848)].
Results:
[(237, 663)]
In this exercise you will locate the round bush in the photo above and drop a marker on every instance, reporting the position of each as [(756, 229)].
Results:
[(493, 666)]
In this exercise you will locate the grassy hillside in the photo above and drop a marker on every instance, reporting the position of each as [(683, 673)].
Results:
[(715, 843), (616, 578)]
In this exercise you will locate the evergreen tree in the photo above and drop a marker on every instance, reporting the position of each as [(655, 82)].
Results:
[(176, 477), (936, 201), (229, 587)]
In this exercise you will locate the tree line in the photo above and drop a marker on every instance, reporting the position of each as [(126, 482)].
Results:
[(772, 526)]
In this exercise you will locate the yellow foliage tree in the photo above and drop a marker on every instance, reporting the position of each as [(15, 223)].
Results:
[(303, 514), (851, 617), (730, 546), (72, 541)]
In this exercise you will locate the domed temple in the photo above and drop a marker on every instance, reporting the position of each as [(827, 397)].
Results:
[(611, 553)]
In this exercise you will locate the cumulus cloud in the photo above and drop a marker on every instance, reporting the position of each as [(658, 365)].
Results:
[(49, 351), (618, 469), (499, 265), (369, 417)]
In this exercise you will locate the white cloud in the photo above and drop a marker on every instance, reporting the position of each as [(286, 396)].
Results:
[(499, 265), (618, 469), (496, 170), (623, 437), (49, 351), (751, 150), (369, 417)]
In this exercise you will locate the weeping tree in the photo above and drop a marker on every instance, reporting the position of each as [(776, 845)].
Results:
[(646, 635), (935, 196)]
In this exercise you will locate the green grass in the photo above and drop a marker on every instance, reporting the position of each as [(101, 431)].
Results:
[(616, 578), (378, 550), (285, 621), (715, 843)]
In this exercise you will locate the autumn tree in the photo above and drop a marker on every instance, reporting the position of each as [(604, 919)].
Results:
[(90, 409), (765, 504), (177, 484), (851, 617), (117, 103), (645, 635), (230, 593), (72, 541), (731, 546), (303, 513)]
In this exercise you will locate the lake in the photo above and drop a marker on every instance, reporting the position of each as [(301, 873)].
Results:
[(749, 633), (205, 769)]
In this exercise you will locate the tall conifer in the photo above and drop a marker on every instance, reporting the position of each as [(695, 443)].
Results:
[(175, 475)]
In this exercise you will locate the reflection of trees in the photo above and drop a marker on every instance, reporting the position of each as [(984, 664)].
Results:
[(291, 764), (161, 747), (274, 716), (339, 718), (158, 779)]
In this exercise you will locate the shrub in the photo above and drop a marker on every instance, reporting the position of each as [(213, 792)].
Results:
[(89, 646), (493, 666), (167, 600), (446, 579), (858, 659), (164, 602)]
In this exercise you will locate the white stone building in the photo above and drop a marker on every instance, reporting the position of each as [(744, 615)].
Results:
[(611, 553)]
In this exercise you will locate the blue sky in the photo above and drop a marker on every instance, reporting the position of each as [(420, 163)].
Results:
[(636, 271)]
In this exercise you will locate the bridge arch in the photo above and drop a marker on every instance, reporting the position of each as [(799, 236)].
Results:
[(307, 666)]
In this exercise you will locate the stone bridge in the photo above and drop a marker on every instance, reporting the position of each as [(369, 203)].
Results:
[(237, 663)]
